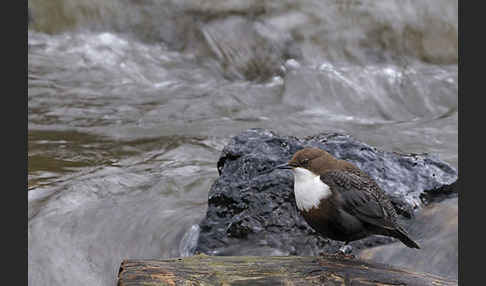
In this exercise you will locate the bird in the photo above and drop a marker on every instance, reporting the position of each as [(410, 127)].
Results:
[(340, 201)]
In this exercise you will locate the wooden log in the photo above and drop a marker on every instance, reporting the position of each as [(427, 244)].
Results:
[(260, 270)]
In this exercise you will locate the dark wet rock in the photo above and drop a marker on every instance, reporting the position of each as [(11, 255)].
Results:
[(246, 207), (445, 191)]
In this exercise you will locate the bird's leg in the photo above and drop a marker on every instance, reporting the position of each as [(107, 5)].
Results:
[(346, 250), (343, 252)]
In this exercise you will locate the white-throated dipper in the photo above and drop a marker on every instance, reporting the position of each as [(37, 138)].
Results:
[(339, 201)]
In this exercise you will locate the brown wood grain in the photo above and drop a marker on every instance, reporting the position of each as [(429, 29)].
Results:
[(260, 270)]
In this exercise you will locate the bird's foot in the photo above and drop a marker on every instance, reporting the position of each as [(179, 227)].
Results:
[(345, 252), (346, 249)]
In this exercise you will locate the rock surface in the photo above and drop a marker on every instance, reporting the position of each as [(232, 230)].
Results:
[(246, 207)]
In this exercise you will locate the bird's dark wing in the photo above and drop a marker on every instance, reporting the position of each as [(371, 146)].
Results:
[(361, 197)]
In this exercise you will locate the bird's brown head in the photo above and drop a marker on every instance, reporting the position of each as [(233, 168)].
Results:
[(315, 160)]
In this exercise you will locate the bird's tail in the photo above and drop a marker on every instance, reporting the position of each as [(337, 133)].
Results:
[(402, 235)]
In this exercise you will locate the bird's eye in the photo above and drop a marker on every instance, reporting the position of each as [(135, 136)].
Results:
[(304, 162)]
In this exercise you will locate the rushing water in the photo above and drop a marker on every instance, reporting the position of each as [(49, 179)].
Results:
[(131, 102)]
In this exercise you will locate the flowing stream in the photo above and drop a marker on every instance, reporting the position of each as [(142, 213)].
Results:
[(130, 103)]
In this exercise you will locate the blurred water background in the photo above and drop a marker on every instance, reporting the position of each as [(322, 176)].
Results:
[(131, 101)]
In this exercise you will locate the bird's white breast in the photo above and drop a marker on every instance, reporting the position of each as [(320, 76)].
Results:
[(309, 189)]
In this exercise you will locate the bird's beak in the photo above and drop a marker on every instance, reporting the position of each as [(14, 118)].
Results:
[(281, 166)]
